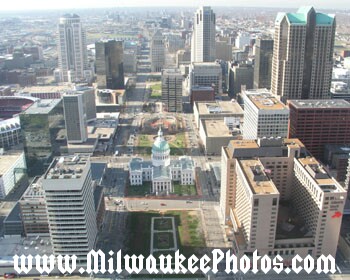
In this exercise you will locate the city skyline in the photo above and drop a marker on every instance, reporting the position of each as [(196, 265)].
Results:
[(65, 4)]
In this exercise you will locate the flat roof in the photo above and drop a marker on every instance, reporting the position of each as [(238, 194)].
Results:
[(215, 128), (47, 89), (320, 103), (264, 100), (44, 106), (219, 107), (67, 167), (320, 175), (255, 175), (7, 161), (35, 190)]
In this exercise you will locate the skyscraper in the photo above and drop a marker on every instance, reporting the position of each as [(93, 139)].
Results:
[(109, 64), (263, 63), (71, 213), (72, 54), (172, 89), (303, 55), (203, 36), (79, 108), (157, 52)]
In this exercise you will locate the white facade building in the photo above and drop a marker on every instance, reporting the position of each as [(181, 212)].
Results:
[(72, 52), (12, 168), (203, 36), (264, 115), (161, 170), (71, 212)]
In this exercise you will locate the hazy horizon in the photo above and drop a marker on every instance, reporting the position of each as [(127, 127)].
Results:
[(21, 5)]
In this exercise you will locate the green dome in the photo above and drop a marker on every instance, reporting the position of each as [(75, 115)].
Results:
[(160, 146)]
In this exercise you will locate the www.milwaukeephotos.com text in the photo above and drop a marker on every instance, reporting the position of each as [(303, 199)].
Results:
[(98, 262)]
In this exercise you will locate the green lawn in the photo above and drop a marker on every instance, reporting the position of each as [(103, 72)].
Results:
[(177, 146), (156, 90), (189, 233), (145, 188), (144, 141), (185, 189)]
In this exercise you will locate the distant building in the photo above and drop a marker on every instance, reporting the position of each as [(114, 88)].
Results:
[(207, 74), (72, 53), (242, 40), (183, 57), (203, 36), (264, 115), (71, 176), (109, 64), (263, 63), (161, 171), (12, 169), (336, 157), (172, 90), (303, 55), (223, 50), (130, 61), (239, 75), (157, 52), (319, 122)]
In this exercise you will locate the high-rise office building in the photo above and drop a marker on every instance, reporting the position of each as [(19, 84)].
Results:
[(71, 212), (319, 122), (264, 115), (79, 108), (157, 52), (278, 200), (109, 64), (208, 74), (40, 125), (303, 55), (203, 36), (72, 53), (172, 89), (263, 63)]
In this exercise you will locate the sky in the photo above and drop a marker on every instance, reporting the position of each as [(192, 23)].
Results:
[(76, 4)]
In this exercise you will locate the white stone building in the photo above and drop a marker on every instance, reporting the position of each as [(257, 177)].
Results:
[(162, 171)]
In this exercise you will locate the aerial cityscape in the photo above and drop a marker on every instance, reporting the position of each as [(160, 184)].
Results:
[(205, 134)]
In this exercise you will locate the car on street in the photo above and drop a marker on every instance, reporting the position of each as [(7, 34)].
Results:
[(162, 204)]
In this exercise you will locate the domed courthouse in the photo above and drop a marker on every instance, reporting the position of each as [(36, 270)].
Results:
[(161, 170)]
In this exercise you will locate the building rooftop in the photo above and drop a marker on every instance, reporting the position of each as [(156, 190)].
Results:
[(219, 107), (34, 190), (215, 128), (324, 180), (264, 100), (319, 103), (43, 106), (46, 89), (67, 167), (257, 178), (8, 160)]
